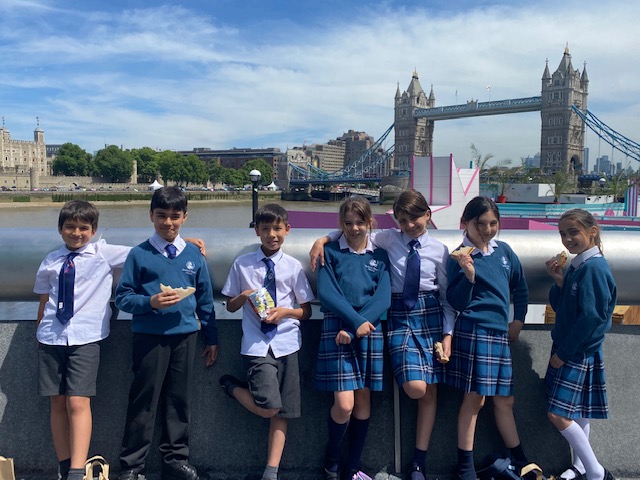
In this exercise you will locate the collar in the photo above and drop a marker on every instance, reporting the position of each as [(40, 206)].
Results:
[(422, 239), (275, 258), (578, 260), (490, 247), (345, 246), (88, 249)]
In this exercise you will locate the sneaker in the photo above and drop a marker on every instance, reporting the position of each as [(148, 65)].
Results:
[(415, 472), (229, 382), (331, 475)]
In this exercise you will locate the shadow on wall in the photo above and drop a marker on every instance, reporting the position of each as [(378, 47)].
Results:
[(229, 440)]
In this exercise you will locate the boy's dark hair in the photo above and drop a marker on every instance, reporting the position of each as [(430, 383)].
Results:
[(477, 207), (412, 203), (270, 213), (169, 198), (79, 210)]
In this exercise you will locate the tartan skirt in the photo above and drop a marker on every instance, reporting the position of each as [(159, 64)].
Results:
[(348, 367), (411, 336), (480, 360), (578, 388)]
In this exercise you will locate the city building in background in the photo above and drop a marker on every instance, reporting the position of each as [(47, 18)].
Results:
[(23, 162), (237, 157)]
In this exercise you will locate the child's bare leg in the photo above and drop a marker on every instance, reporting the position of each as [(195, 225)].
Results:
[(343, 405), (426, 416), (362, 403), (467, 418), (244, 397), (277, 438), (59, 422), (80, 423), (505, 421)]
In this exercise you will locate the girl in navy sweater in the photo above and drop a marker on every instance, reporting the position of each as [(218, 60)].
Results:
[(583, 299), (354, 292), (480, 286)]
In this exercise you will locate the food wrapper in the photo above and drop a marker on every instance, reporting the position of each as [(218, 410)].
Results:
[(261, 301)]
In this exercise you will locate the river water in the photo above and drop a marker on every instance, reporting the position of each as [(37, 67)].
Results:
[(214, 214)]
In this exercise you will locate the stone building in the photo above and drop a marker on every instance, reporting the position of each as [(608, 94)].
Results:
[(562, 133), (327, 156), (22, 162), (414, 136)]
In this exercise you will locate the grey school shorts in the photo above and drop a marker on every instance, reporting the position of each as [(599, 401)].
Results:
[(275, 382), (68, 370)]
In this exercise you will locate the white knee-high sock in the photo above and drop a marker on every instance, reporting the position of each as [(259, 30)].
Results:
[(581, 446), (586, 428)]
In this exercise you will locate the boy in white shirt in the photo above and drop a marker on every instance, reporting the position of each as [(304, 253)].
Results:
[(269, 347)]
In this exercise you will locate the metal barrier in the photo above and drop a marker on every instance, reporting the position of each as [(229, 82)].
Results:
[(26, 247)]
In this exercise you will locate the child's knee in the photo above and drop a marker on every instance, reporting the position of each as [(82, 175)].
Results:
[(268, 412), (415, 389), (76, 405)]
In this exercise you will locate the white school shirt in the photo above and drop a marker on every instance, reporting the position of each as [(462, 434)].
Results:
[(247, 273), (160, 244), (92, 293), (434, 256)]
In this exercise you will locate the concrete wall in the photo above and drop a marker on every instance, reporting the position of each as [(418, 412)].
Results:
[(230, 441)]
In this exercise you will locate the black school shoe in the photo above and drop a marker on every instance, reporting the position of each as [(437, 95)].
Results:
[(183, 472), (229, 382), (578, 475), (415, 473), (608, 475), (131, 475)]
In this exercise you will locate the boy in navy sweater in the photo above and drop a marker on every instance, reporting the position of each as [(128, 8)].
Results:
[(164, 326)]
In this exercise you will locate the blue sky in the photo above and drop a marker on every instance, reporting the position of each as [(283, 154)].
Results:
[(230, 73)]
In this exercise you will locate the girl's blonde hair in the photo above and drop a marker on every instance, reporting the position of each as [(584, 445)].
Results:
[(585, 220), (358, 205)]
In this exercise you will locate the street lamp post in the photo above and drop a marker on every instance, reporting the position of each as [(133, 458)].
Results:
[(255, 176)]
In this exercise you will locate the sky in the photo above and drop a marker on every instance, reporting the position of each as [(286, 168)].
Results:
[(284, 73)]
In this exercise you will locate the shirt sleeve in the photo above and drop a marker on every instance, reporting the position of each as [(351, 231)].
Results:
[(442, 276), (127, 297), (232, 287), (115, 255), (42, 284)]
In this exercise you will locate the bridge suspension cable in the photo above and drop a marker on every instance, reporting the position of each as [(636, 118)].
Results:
[(609, 135), (369, 166)]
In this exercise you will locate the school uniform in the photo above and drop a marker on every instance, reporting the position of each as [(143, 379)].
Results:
[(69, 353), (164, 342), (353, 288), (413, 332), (281, 349), (584, 307), (481, 356)]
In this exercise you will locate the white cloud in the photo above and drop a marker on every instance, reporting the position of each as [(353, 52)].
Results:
[(168, 77)]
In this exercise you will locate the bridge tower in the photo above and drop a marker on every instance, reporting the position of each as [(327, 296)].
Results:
[(562, 133), (413, 136)]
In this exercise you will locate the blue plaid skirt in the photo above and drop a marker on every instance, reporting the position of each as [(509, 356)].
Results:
[(578, 389), (348, 367), (411, 336), (480, 360)]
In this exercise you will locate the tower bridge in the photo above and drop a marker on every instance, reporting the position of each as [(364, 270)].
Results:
[(563, 112)]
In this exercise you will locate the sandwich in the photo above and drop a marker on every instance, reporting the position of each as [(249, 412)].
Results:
[(439, 351), (561, 258), (462, 251), (182, 292)]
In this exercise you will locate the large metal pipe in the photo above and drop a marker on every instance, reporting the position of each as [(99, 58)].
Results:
[(24, 248)]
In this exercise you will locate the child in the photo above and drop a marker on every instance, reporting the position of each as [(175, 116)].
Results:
[(419, 313), (354, 291), (269, 347), (480, 287), (583, 300), (74, 284), (164, 337)]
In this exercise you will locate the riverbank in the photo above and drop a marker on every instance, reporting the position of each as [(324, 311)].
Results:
[(48, 199)]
